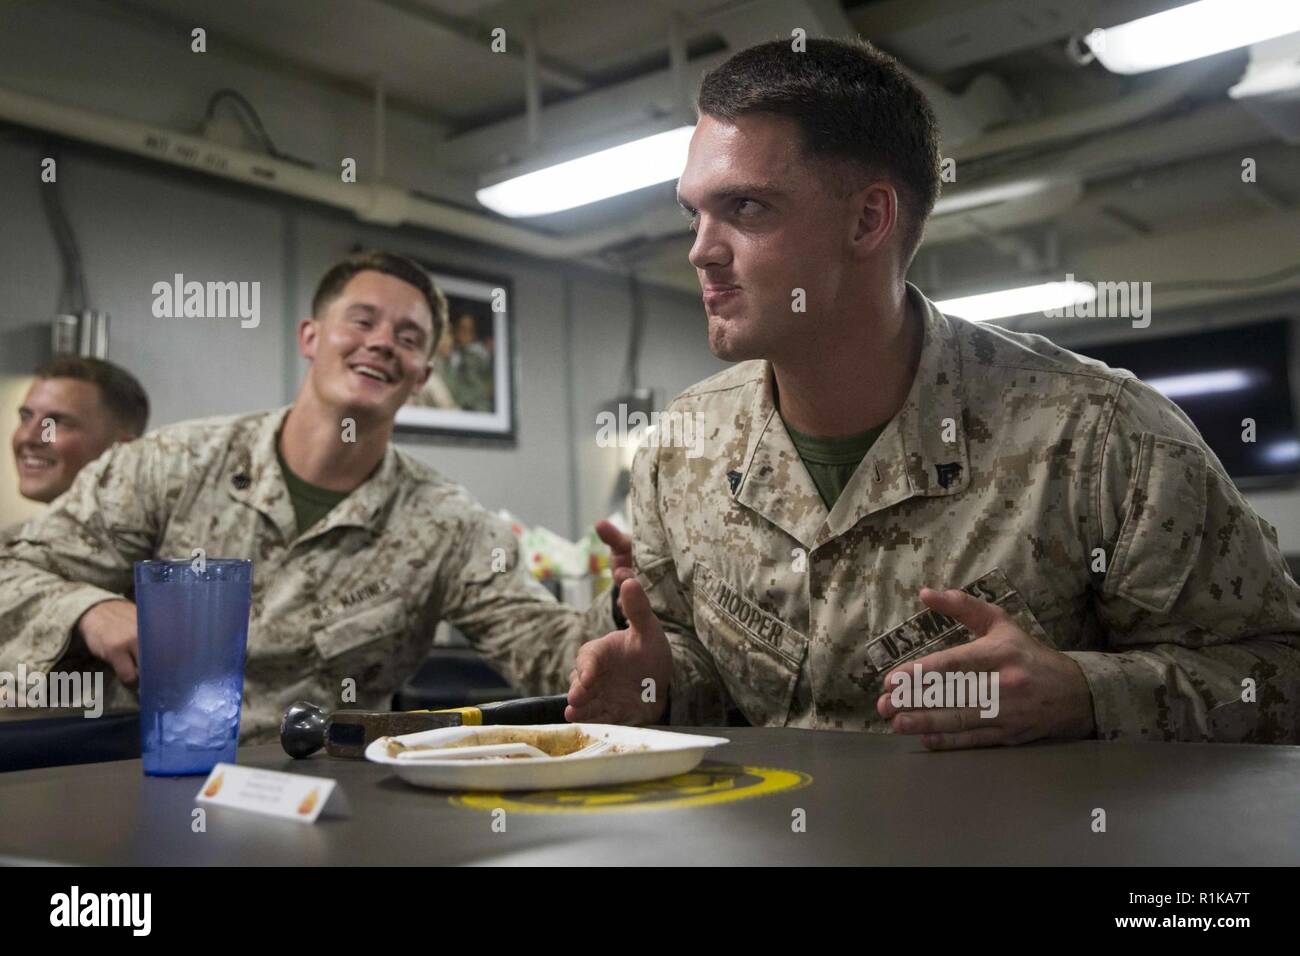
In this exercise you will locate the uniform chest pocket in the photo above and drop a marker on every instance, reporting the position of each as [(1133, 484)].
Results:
[(370, 628), (758, 656)]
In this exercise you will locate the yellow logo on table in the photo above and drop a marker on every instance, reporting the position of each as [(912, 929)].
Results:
[(706, 785)]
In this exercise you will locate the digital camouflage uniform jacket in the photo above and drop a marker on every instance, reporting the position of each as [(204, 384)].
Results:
[(1009, 455), (357, 596)]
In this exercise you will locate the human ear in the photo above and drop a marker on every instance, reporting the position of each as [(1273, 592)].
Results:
[(308, 333), (875, 217)]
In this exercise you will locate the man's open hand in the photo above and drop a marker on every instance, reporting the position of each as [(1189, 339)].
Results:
[(109, 632), (608, 684), (1042, 692)]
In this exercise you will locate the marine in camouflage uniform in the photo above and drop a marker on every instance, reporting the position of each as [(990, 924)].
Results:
[(1078, 499), (357, 595)]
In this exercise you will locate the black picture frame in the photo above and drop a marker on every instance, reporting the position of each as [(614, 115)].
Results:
[(458, 402)]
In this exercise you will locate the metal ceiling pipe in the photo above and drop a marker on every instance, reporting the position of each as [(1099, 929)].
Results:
[(532, 90), (1047, 203), (1214, 128), (381, 136)]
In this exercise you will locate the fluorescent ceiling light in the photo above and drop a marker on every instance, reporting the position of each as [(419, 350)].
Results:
[(1031, 298), (1192, 31), (1201, 383), (587, 179)]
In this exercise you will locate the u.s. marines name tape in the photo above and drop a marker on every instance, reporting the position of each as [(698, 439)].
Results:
[(928, 631)]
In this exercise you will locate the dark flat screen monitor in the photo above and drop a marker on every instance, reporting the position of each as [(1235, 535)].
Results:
[(1219, 378)]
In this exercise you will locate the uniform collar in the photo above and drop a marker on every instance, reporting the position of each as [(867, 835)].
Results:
[(922, 450), (253, 476)]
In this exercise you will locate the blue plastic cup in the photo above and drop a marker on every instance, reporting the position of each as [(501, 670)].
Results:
[(192, 620)]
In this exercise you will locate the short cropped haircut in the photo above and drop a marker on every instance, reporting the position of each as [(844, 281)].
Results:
[(852, 103), (123, 396), (400, 267)]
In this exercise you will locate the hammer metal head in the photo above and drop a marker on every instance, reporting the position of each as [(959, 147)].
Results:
[(306, 727), (302, 729)]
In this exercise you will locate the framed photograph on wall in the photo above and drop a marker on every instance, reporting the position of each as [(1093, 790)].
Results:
[(471, 390)]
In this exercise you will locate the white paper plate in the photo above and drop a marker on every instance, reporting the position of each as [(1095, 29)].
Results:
[(667, 755)]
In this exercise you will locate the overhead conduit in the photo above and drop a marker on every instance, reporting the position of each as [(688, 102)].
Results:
[(376, 203)]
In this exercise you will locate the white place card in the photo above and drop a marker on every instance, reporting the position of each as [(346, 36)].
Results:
[(291, 796)]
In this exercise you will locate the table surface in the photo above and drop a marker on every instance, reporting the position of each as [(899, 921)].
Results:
[(872, 799)]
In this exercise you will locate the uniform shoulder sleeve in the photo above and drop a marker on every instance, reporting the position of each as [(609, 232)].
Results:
[(487, 591), (82, 551), (1201, 614)]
